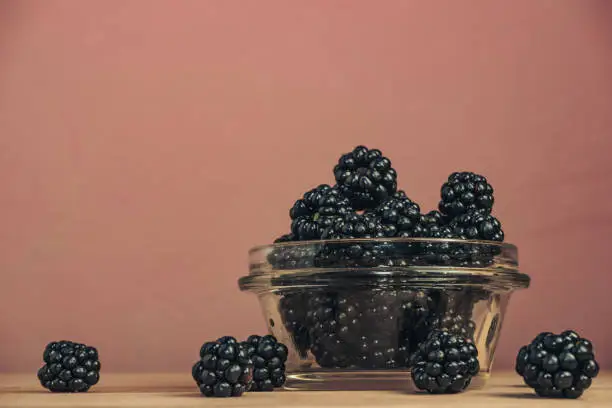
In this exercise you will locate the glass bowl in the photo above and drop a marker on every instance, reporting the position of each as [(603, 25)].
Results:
[(353, 311)]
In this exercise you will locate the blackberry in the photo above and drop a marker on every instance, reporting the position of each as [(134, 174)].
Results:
[(317, 210), (292, 308), (463, 192), (365, 177), (399, 214), (269, 357), (224, 369), (69, 367), (477, 225), (445, 363), (560, 365)]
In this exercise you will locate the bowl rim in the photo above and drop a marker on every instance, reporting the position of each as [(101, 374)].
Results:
[(499, 244)]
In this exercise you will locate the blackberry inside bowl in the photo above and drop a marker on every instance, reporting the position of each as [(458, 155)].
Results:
[(352, 312)]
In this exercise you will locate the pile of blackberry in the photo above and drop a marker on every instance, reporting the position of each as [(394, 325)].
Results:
[(558, 365), (365, 203), (69, 367)]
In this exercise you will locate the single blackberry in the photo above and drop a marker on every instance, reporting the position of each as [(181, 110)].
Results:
[(224, 369), (365, 177), (560, 365), (399, 214), (69, 367), (292, 308), (269, 357), (463, 192), (317, 210), (445, 363), (477, 225)]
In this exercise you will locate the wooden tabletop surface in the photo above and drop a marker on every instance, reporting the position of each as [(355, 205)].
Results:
[(177, 390)]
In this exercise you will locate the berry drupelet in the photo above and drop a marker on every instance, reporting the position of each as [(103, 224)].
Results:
[(465, 191), (224, 369), (558, 365), (444, 364), (317, 210), (69, 367), (477, 225), (269, 357), (366, 177), (399, 214)]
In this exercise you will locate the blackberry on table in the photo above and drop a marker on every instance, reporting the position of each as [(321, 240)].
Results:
[(463, 192), (558, 365), (224, 369), (366, 177), (399, 214), (69, 367), (444, 363), (477, 225), (317, 210), (269, 357)]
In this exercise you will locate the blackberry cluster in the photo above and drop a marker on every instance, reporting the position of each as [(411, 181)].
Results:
[(445, 363), (463, 192), (269, 357), (366, 177), (399, 215), (69, 367), (558, 365), (225, 368), (317, 210)]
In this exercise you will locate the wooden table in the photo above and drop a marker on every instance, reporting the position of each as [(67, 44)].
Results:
[(178, 390)]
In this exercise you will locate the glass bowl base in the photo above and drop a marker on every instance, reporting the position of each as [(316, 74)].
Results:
[(360, 380)]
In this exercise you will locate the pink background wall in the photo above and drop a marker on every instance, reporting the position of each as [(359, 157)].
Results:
[(146, 145)]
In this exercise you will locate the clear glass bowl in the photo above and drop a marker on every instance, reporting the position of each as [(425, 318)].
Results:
[(352, 311)]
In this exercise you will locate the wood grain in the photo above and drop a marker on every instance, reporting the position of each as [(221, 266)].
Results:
[(177, 390)]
